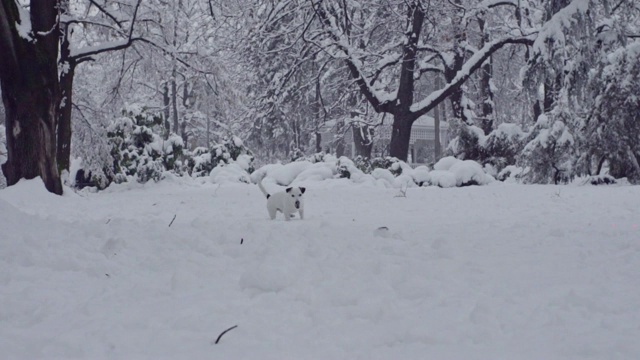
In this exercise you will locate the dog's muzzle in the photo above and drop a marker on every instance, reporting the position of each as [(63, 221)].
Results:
[(297, 203)]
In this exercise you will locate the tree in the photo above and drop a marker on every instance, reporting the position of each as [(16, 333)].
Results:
[(30, 90), (578, 126), (120, 37), (613, 127), (407, 44)]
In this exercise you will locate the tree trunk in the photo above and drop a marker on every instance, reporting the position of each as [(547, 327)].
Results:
[(400, 137), (318, 137), (174, 102), (362, 139), (67, 72), (63, 152), (167, 112), (437, 145), (458, 108), (339, 142), (184, 134), (30, 93), (208, 131), (402, 117), (486, 92)]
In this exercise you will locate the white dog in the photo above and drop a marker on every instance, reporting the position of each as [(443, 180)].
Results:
[(287, 202)]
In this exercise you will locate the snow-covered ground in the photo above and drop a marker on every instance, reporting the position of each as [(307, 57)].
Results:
[(492, 272)]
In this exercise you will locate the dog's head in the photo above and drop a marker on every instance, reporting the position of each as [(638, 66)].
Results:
[(296, 195)]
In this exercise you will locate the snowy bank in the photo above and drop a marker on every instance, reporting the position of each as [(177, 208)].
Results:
[(160, 270)]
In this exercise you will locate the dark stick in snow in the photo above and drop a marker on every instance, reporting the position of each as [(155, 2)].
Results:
[(224, 332), (174, 217)]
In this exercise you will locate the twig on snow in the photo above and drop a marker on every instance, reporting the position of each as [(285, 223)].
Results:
[(224, 332), (174, 217)]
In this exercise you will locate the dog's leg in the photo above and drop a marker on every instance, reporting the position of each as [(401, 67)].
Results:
[(287, 215), (272, 212), (301, 211)]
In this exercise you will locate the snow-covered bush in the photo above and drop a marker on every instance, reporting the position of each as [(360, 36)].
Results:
[(442, 178), (139, 152), (313, 158), (367, 165), (510, 173), (602, 180), (297, 154), (503, 145), (346, 168), (390, 163), (421, 175), (287, 173), (550, 153), (448, 172), (232, 172), (201, 161), (614, 126), (469, 144), (463, 173), (317, 172), (499, 149)]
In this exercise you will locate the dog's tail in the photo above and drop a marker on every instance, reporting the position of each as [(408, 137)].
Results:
[(264, 191)]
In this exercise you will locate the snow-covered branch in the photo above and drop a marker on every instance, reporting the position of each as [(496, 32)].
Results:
[(470, 66), (380, 101)]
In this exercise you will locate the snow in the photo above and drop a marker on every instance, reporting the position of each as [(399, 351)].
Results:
[(421, 174), (449, 172), (89, 50), (3, 144), (445, 163), (510, 131), (565, 18), (229, 173), (510, 173), (383, 174), (493, 272), (468, 171), (285, 174), (23, 27), (442, 178), (316, 172), (460, 77)]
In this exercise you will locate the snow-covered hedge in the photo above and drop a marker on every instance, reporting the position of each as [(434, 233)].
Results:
[(448, 172)]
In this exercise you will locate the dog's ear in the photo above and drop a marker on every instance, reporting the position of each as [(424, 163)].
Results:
[(289, 189), (302, 190)]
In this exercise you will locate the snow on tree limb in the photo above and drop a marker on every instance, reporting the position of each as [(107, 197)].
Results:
[(473, 64), (553, 31), (381, 101), (87, 52)]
